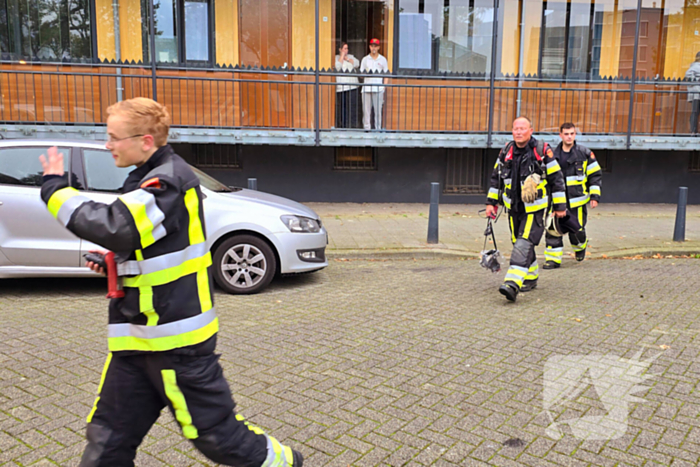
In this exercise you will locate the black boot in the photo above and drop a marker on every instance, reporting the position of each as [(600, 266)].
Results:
[(551, 265), (529, 285), (298, 459), (581, 255), (509, 291)]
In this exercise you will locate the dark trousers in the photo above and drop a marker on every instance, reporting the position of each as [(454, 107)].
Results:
[(526, 232), (574, 223), (694, 117), (347, 104), (135, 389)]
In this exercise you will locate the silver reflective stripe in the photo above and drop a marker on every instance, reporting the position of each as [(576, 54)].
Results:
[(273, 458), (554, 250), (552, 164), (518, 268), (493, 190), (162, 262), (580, 199), (515, 278), (507, 181), (595, 189), (539, 202), (506, 200), (592, 167), (68, 208), (558, 194), (153, 212), (162, 330), (534, 265), (575, 178)]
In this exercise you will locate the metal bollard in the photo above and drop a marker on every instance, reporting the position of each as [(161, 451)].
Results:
[(679, 230), (433, 215), (253, 184)]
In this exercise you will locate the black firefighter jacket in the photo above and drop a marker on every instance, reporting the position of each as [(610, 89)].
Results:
[(545, 165), (583, 175), (156, 229)]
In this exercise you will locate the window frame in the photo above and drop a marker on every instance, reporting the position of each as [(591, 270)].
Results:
[(181, 62), (83, 175)]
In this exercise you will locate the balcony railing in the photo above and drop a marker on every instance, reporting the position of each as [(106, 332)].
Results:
[(273, 99)]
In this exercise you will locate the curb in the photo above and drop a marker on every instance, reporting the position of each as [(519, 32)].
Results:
[(439, 253)]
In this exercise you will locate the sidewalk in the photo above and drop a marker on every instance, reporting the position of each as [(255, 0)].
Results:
[(359, 230)]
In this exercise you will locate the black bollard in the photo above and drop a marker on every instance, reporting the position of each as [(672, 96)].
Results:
[(253, 184), (433, 216), (679, 230)]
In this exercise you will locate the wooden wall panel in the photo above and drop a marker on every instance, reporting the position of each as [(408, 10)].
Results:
[(226, 32)]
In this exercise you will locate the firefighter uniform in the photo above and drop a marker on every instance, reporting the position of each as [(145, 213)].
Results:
[(526, 220), (162, 333), (583, 181)]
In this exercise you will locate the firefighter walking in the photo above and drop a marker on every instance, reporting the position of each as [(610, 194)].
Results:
[(162, 332), (583, 177), (523, 177)]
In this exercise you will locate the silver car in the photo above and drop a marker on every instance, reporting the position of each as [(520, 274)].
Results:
[(253, 236)]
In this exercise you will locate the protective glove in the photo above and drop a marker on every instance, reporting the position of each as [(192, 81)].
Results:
[(529, 191)]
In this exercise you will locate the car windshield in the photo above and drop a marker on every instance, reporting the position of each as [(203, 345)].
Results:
[(211, 183)]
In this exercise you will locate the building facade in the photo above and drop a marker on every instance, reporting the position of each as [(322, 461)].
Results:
[(256, 88)]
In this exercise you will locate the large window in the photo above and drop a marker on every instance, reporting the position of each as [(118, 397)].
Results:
[(46, 30), (445, 35), (183, 31)]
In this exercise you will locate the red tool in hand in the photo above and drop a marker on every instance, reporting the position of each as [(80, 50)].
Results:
[(107, 262)]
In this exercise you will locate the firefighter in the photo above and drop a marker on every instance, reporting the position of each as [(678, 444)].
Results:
[(583, 180), (524, 175), (162, 333)]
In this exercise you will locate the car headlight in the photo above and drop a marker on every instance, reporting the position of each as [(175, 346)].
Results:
[(301, 224)]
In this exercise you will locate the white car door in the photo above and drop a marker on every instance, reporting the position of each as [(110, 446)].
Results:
[(29, 234), (103, 180)]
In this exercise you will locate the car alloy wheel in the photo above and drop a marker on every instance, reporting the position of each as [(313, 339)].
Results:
[(244, 264)]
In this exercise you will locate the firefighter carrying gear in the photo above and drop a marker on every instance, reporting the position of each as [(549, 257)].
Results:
[(162, 333), (583, 182), (526, 218)]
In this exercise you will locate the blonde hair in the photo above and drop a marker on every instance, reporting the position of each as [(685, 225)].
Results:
[(145, 116)]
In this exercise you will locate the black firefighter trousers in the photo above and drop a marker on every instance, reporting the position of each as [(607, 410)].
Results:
[(574, 223), (526, 231), (133, 391)]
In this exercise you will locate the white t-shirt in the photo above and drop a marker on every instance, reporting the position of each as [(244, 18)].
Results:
[(379, 65)]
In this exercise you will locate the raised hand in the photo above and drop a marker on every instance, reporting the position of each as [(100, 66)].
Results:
[(54, 164)]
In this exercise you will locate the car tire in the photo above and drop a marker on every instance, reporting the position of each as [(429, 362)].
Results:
[(244, 264)]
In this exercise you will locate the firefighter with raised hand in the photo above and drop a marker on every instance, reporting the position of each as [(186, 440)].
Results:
[(162, 332), (583, 177), (523, 177)]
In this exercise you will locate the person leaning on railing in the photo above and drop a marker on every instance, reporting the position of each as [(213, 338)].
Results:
[(347, 95), (693, 74)]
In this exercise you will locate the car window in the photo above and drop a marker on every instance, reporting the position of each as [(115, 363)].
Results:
[(211, 183), (100, 172), (21, 166)]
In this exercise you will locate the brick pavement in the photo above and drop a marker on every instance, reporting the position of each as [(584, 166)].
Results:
[(385, 362), (614, 229)]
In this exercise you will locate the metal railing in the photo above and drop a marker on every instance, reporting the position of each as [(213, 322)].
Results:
[(247, 98)]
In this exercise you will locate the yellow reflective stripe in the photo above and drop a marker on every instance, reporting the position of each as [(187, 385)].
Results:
[(99, 388), (159, 344), (512, 230), (143, 223), (60, 197), (595, 190), (580, 217), (166, 276), (553, 167), (177, 399), (203, 290), (253, 428), (192, 202), (528, 226), (146, 299)]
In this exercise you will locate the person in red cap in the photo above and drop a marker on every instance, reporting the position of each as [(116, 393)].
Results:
[(373, 91)]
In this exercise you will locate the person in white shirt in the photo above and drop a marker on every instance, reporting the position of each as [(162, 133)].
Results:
[(347, 96), (693, 74), (372, 95)]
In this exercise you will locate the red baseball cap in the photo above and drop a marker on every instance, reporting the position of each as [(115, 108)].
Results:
[(374, 41)]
